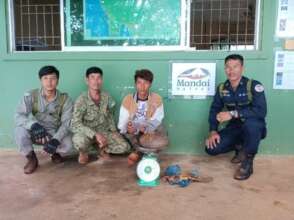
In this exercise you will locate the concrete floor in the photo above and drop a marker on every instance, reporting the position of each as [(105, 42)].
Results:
[(109, 191)]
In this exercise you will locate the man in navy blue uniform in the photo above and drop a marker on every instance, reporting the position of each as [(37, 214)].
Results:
[(240, 104)]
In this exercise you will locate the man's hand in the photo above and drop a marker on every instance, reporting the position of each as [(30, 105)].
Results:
[(42, 141), (212, 140), (142, 129), (51, 146), (130, 128), (223, 116), (101, 140), (38, 134)]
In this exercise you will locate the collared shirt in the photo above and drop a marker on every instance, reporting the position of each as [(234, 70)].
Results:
[(238, 100), (58, 127), (89, 118)]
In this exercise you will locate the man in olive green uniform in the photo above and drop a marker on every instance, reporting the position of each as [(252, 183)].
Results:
[(93, 123)]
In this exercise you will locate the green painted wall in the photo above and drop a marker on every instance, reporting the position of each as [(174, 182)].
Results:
[(186, 119)]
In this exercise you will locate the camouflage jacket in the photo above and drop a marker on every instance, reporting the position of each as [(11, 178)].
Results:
[(88, 118)]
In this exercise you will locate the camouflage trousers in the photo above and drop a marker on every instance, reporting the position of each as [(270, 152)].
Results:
[(149, 143), (116, 144)]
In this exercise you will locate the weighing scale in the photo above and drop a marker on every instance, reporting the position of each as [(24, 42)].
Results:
[(148, 171)]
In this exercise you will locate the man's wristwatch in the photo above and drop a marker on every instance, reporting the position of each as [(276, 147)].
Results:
[(234, 114)]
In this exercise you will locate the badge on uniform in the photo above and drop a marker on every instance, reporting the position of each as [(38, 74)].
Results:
[(259, 88)]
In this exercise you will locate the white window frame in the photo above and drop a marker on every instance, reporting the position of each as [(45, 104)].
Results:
[(11, 27), (184, 42)]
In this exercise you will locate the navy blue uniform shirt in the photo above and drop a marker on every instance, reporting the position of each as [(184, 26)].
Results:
[(238, 100)]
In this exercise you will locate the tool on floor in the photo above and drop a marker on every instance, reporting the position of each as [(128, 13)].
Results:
[(174, 176)]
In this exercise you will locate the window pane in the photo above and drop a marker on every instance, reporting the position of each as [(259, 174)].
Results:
[(122, 23), (37, 25), (221, 24)]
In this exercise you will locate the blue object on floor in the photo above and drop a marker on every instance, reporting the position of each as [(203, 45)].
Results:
[(184, 183), (173, 170)]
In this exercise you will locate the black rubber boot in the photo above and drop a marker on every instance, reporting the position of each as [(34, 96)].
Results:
[(246, 168), (57, 158), (239, 155), (32, 163)]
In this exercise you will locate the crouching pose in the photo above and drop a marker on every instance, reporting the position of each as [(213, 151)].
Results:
[(93, 124), (241, 103), (140, 119), (42, 118)]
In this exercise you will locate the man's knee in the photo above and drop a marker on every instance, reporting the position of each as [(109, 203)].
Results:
[(252, 134), (252, 127), (117, 144), (23, 140), (118, 148), (66, 146), (21, 134), (81, 142), (212, 151), (225, 146)]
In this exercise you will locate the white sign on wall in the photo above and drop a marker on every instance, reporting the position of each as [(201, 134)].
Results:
[(285, 21), (193, 79), (284, 70)]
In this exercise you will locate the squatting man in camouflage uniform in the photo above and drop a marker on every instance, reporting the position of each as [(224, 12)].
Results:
[(93, 124), (43, 117)]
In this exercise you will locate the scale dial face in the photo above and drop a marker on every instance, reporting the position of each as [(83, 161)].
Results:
[(148, 170)]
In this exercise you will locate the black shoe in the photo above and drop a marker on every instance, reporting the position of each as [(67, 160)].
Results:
[(57, 158), (239, 156), (246, 168), (32, 163)]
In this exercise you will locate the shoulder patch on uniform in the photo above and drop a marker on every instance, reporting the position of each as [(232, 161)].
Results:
[(259, 88)]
